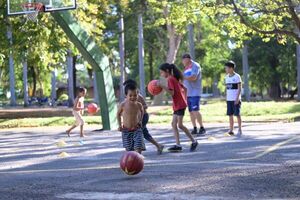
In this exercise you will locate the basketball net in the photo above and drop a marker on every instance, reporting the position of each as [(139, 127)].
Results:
[(32, 10)]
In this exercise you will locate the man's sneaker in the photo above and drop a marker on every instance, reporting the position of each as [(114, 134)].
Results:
[(231, 133), (202, 131), (194, 146), (239, 133), (175, 148)]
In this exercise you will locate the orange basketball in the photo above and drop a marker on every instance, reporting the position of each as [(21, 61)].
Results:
[(153, 88), (92, 108), (132, 163)]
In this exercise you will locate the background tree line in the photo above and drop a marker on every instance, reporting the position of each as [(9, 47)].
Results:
[(221, 31)]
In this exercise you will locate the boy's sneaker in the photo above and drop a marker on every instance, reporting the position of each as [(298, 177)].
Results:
[(231, 133), (239, 133), (202, 131), (194, 146), (175, 148), (194, 132)]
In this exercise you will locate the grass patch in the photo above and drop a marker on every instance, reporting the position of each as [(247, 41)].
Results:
[(212, 111), (215, 111), (50, 121)]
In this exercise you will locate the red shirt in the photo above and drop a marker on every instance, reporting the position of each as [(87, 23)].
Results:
[(179, 97)]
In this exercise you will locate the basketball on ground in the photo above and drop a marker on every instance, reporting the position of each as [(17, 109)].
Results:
[(92, 108), (153, 88), (132, 163)]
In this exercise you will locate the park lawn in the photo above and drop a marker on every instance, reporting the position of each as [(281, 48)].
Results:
[(215, 111), (212, 111), (49, 121)]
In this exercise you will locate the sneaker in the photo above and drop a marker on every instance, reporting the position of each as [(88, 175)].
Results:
[(231, 133), (194, 146), (239, 133), (194, 132), (160, 149), (202, 131), (175, 148)]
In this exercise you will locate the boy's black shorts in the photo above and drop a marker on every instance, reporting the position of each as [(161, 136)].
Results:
[(233, 109)]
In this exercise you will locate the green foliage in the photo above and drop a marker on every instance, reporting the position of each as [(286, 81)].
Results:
[(243, 19), (63, 97), (219, 33), (2, 58)]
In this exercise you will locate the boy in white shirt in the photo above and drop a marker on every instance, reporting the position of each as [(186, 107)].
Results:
[(233, 96)]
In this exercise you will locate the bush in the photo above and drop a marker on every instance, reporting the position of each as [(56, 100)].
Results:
[(63, 97)]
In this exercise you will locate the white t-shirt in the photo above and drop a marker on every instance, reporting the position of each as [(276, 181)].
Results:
[(232, 86)]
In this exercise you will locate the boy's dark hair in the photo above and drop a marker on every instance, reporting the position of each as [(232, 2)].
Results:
[(130, 81), (130, 87), (172, 69), (230, 64), (81, 89)]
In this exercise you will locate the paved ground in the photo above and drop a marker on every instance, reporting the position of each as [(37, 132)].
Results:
[(263, 164)]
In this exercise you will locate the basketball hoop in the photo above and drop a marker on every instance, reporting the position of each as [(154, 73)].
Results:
[(32, 10)]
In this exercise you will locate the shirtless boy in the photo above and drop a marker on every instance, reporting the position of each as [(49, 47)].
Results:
[(130, 115)]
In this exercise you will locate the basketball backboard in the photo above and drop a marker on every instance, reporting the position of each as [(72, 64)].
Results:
[(15, 7)]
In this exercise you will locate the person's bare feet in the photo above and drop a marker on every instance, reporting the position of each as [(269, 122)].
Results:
[(82, 135), (68, 133)]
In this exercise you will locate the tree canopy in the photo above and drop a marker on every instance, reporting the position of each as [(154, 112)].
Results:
[(221, 27)]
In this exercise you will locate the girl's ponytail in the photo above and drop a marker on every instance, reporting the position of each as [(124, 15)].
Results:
[(176, 72)]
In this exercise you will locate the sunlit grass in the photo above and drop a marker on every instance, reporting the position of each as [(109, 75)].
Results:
[(212, 111), (50, 121), (248, 109)]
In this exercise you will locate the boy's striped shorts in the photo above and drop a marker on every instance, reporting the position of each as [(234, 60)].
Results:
[(133, 140)]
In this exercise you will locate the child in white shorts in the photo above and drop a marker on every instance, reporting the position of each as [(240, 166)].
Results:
[(78, 111)]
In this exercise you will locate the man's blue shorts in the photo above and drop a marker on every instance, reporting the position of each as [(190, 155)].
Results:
[(193, 103)]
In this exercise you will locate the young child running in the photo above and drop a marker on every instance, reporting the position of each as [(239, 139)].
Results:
[(178, 93), (233, 96), (78, 110), (145, 120), (130, 115)]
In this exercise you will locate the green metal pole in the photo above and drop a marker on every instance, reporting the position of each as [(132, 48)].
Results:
[(92, 53)]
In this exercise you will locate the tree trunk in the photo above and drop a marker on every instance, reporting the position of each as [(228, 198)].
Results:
[(174, 43), (191, 40), (70, 78), (74, 75), (41, 89), (298, 72), (25, 82), (53, 87), (274, 90), (246, 72), (151, 74), (141, 55), (96, 95), (216, 91), (34, 81), (13, 101), (122, 57)]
